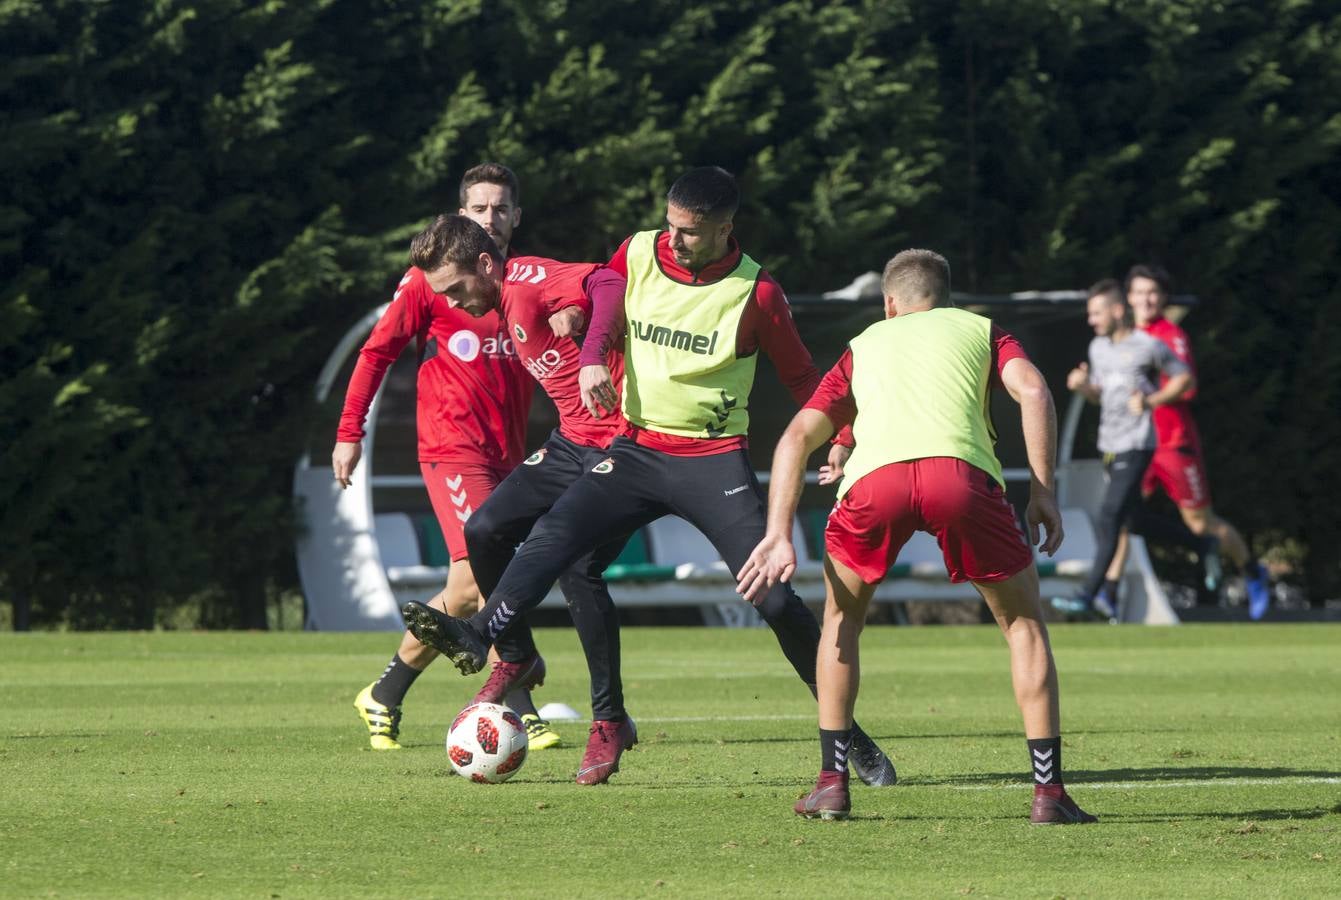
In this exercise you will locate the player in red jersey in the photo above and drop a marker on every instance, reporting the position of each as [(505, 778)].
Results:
[(1178, 467), (528, 292), (473, 397), (915, 388)]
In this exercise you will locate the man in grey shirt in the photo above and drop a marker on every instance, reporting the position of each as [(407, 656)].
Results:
[(1122, 374)]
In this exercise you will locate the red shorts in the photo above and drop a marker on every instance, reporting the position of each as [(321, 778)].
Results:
[(1181, 474), (455, 490), (959, 503)]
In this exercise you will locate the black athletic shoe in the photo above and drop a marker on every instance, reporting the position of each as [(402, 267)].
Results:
[(453, 638), (869, 762)]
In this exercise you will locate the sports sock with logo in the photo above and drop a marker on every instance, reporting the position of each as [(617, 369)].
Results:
[(1045, 756), (396, 679), (834, 748)]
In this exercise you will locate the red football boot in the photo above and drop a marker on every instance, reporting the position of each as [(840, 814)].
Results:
[(506, 676), (1053, 806), (605, 743), (828, 801)]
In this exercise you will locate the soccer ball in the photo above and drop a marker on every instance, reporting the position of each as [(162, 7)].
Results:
[(487, 743)]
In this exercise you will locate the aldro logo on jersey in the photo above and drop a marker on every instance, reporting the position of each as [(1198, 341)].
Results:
[(702, 344), (536, 458)]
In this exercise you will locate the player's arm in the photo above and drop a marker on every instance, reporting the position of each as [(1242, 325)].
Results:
[(606, 288), (402, 320), (1179, 382), (1078, 380), (1038, 419), (774, 559), (769, 325), (831, 406)]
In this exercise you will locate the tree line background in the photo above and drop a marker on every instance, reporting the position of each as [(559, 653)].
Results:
[(197, 198)]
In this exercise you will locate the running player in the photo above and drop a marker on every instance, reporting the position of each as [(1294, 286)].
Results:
[(473, 397), (1120, 377), (1178, 467), (698, 311), (461, 263), (915, 389)]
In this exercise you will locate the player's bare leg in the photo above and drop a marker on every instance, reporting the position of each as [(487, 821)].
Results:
[(379, 704), (1015, 606), (838, 666), (1203, 520), (1018, 611), (837, 679)]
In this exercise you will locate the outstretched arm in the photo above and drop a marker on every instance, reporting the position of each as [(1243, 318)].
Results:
[(1038, 419), (774, 559)]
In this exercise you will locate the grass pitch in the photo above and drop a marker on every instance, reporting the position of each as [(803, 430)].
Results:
[(203, 765)]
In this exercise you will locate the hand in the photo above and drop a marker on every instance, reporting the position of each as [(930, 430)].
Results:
[(1042, 510), (773, 560), (344, 460), (567, 322), (598, 391), (1078, 378), (1136, 403), (833, 472)]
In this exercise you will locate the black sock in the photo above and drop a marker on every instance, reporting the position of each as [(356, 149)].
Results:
[(396, 679), (1111, 589), (519, 701), (1045, 755), (834, 749)]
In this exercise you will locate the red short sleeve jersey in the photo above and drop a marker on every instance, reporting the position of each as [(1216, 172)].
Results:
[(1174, 425), (473, 392), (534, 288)]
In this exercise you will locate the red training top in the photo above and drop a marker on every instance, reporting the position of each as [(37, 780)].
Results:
[(765, 324), (534, 289), (1174, 425), (834, 398), (473, 393)]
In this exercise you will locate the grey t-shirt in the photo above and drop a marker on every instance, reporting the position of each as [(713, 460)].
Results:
[(1119, 369)]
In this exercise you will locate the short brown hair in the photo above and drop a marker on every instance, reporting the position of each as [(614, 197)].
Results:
[(451, 239), (1156, 273), (1107, 287), (918, 274), (491, 173)]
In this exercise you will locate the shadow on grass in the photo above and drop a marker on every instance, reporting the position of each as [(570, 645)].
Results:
[(1152, 774)]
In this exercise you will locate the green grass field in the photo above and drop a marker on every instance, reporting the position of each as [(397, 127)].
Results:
[(185, 765)]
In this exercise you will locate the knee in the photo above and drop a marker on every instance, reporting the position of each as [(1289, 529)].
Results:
[(480, 528), (780, 603)]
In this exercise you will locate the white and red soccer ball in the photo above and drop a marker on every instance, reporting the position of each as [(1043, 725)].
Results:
[(487, 743)]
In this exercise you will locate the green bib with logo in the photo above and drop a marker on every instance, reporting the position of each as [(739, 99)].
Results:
[(920, 384), (681, 372)]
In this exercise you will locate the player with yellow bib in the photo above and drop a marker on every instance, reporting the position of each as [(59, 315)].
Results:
[(696, 314)]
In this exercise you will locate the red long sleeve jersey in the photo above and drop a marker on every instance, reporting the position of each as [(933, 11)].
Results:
[(474, 392), (535, 288), (766, 324)]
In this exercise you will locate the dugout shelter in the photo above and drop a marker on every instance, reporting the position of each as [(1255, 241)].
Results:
[(365, 550)]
